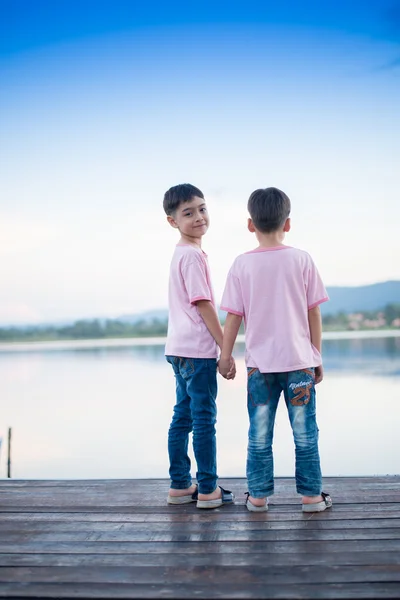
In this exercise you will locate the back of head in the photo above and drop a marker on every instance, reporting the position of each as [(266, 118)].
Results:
[(178, 194), (269, 208)]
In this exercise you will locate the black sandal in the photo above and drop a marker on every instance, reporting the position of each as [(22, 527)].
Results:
[(227, 497)]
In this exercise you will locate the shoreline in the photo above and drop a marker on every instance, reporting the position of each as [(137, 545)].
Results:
[(160, 341)]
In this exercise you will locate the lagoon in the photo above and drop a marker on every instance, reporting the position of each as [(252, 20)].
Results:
[(101, 409)]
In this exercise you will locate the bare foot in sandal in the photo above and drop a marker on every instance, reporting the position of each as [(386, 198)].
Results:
[(213, 496), (312, 499), (316, 503), (186, 492), (257, 501), (217, 498)]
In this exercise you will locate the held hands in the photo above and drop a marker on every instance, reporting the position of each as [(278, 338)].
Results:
[(319, 374), (227, 367)]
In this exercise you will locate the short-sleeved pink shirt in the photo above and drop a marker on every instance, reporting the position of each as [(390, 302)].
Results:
[(189, 282), (273, 289)]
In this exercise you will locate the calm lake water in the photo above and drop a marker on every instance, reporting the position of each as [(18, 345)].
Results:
[(102, 410)]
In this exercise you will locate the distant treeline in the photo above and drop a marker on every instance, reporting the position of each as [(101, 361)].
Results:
[(85, 330), (388, 317)]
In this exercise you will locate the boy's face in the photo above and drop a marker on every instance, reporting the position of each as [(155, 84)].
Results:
[(191, 218)]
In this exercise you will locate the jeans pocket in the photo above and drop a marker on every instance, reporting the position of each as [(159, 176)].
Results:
[(251, 371), (174, 362), (186, 367), (257, 388)]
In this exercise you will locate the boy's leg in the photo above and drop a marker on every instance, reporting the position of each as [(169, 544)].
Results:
[(299, 391), (201, 379), (263, 393), (178, 434)]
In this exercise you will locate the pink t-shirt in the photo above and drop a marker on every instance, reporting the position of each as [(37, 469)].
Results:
[(189, 282), (273, 289)]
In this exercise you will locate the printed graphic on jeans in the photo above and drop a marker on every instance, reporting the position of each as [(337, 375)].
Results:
[(300, 391)]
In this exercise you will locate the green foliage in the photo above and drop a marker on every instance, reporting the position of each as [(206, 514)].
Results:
[(391, 312), (85, 330)]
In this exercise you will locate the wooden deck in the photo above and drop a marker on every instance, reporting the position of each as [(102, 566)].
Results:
[(119, 539)]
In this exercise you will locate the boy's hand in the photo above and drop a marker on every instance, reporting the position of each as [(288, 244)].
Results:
[(319, 374), (227, 367), (224, 367), (232, 369)]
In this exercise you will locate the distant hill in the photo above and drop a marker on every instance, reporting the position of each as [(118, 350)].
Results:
[(342, 299), (346, 299), (366, 297)]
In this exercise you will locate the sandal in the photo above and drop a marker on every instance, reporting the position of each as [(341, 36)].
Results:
[(252, 507), (227, 497), (184, 499), (325, 503)]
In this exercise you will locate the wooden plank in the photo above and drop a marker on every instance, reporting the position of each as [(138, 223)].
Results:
[(190, 575), (136, 489), (196, 516), (233, 547), (129, 485), (268, 535), (159, 494), (215, 591), (203, 526), (91, 507), (384, 558)]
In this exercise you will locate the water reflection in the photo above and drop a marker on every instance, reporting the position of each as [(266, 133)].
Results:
[(377, 356), (104, 412)]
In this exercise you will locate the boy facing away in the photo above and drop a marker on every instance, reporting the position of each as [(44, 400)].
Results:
[(194, 334), (277, 290)]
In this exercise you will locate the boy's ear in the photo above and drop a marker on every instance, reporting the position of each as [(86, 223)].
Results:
[(250, 226), (286, 227), (172, 222)]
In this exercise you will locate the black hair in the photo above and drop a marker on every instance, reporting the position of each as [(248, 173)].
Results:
[(269, 208), (178, 194)]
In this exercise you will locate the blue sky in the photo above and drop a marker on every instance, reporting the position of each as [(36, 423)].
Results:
[(105, 105)]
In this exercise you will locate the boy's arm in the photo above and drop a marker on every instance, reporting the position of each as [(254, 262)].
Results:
[(315, 324), (231, 329), (210, 318)]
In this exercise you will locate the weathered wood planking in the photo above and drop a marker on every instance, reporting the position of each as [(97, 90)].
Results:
[(118, 539)]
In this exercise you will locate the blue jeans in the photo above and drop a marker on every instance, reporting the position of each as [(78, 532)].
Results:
[(263, 392), (195, 410)]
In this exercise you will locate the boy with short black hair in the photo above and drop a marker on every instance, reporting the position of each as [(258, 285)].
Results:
[(277, 290), (194, 334)]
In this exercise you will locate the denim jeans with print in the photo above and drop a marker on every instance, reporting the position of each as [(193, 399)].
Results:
[(195, 410), (263, 392)]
